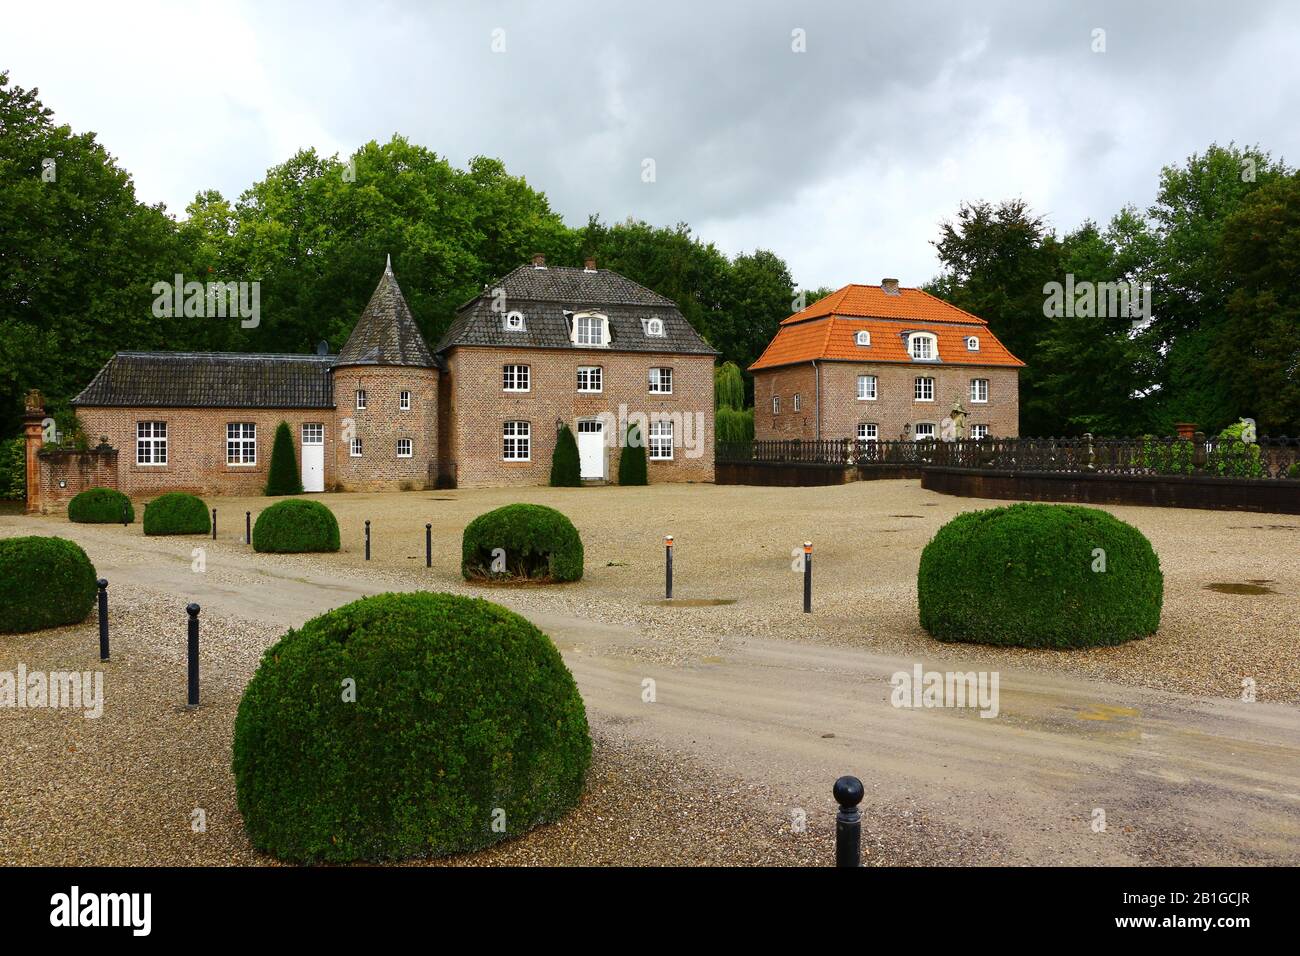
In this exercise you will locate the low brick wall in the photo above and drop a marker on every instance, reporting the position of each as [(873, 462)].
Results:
[(778, 474), (1276, 496), (66, 473)]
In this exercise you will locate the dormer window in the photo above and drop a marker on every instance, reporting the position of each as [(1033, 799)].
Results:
[(862, 338), (653, 326), (972, 343), (590, 329), (514, 321), (923, 346)]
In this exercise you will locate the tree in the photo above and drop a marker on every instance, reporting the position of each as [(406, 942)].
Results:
[(566, 471), (728, 386), (631, 463), (283, 477)]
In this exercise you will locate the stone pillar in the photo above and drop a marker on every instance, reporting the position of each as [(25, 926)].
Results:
[(33, 431), (1186, 430)]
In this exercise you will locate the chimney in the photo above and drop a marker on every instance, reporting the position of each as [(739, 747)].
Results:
[(590, 264), (539, 260), (890, 286)]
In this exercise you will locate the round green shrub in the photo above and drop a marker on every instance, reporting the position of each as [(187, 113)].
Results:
[(463, 716), (294, 526), (100, 506), (177, 513), (44, 582), (1036, 575), (540, 544)]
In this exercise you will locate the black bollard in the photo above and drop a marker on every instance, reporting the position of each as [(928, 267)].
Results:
[(367, 540), (428, 545), (193, 611), (126, 514), (807, 577), (214, 524), (848, 822), (668, 566), (248, 527), (103, 618)]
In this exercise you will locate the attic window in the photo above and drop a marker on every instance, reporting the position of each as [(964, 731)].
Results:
[(654, 326), (514, 321), (862, 338), (972, 343), (590, 329), (923, 346)]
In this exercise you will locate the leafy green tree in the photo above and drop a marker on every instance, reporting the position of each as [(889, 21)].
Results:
[(728, 386), (283, 477), (565, 468)]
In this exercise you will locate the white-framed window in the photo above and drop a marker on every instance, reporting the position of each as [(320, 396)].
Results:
[(404, 401), (979, 431), (241, 443), (661, 440), (513, 321), (868, 431), (589, 330), (661, 381), (924, 389), (979, 390), (514, 378), (972, 343), (796, 401), (151, 443), (776, 404), (404, 448), (923, 346), (355, 447), (925, 430), (591, 378), (862, 338), (361, 399), (313, 433), (653, 326), (516, 441), (866, 388)]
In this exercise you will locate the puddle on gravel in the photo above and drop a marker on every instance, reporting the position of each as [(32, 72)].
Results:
[(1241, 587), (692, 602)]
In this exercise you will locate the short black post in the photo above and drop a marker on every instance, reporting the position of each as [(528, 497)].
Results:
[(367, 540), (428, 545), (248, 527), (126, 514), (807, 577), (193, 611), (668, 566), (103, 618), (214, 524), (848, 822)]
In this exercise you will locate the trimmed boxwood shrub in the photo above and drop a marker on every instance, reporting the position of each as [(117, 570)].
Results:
[(631, 463), (295, 526), (100, 506), (283, 477), (463, 715), (177, 513), (540, 544), (44, 582), (1032, 575), (566, 471)]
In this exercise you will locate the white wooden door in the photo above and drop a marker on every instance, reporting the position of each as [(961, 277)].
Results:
[(591, 447), (313, 456)]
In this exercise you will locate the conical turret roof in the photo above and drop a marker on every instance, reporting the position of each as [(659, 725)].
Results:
[(386, 333)]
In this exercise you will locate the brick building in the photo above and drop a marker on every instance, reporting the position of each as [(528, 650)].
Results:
[(884, 363), (542, 347)]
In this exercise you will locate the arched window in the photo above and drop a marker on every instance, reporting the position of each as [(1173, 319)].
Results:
[(972, 343), (923, 346), (862, 338)]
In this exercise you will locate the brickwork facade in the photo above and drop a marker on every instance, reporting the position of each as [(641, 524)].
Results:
[(378, 463)]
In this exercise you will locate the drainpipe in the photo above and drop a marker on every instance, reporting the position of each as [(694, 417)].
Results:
[(817, 397)]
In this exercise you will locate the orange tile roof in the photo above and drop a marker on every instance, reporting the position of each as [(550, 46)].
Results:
[(825, 330)]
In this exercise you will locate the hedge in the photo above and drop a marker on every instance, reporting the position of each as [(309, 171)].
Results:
[(539, 544), (566, 471), (283, 477), (177, 513), (407, 725), (1038, 575), (100, 506), (295, 526), (44, 582)]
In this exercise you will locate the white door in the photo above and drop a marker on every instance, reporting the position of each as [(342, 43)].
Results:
[(591, 447), (313, 456)]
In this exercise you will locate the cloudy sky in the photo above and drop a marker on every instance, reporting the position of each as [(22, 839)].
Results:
[(838, 134)]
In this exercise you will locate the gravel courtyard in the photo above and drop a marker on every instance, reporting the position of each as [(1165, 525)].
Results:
[(122, 788)]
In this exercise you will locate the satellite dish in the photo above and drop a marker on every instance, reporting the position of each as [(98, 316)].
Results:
[(322, 347)]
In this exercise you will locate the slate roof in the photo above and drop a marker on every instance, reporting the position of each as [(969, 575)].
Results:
[(212, 380), (386, 333), (545, 295)]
